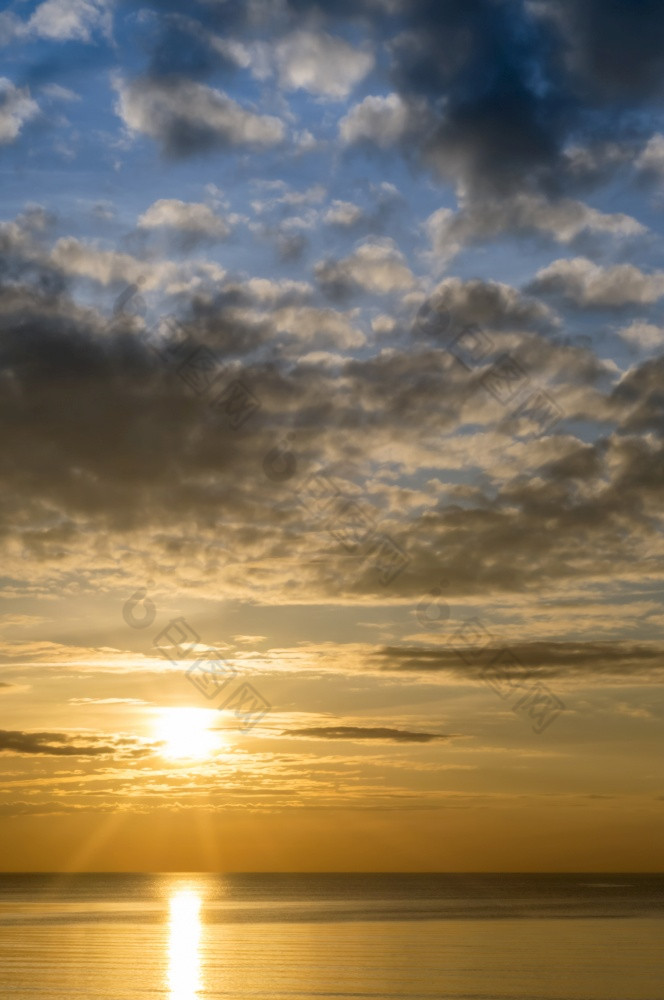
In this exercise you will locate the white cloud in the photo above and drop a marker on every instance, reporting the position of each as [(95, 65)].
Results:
[(309, 196), (643, 335), (381, 267), (652, 157), (343, 213), (383, 120), (64, 20), (193, 217), (596, 157), (320, 63), (588, 284), (270, 293), (16, 108), (383, 324), (86, 260), (375, 266), (323, 327), (305, 141), (233, 50)]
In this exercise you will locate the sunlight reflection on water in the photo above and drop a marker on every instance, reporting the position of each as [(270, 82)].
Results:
[(184, 945), (189, 936)]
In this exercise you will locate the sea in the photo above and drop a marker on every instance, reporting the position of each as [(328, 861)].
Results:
[(332, 936)]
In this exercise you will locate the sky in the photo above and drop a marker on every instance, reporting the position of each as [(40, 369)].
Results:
[(331, 353)]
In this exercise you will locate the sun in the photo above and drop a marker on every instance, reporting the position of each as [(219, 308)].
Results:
[(186, 733)]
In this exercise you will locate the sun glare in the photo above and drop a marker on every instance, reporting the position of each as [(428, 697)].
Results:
[(186, 733)]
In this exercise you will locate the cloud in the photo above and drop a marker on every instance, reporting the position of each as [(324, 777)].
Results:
[(58, 21), (638, 398), (65, 745), (380, 120), (65, 20), (376, 266), (343, 213), (193, 218), (16, 108), (486, 72), (646, 336), (185, 117), (612, 46), (494, 304), (76, 258), (565, 220), (591, 285), (310, 196), (492, 95), (651, 159), (104, 423), (582, 661), (594, 161), (58, 93), (319, 327), (365, 733), (320, 63), (383, 324)]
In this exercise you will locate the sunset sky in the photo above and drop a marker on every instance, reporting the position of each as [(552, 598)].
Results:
[(332, 368)]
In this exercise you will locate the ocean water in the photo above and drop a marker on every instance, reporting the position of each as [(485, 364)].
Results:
[(300, 937)]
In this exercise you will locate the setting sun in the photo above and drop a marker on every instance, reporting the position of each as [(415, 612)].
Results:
[(186, 733)]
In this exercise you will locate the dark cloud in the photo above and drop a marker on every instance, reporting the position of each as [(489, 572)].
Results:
[(496, 92), (186, 117), (365, 733), (66, 745), (456, 303), (614, 46), (641, 396), (20, 263), (582, 463), (291, 246), (487, 71), (471, 652), (98, 434)]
